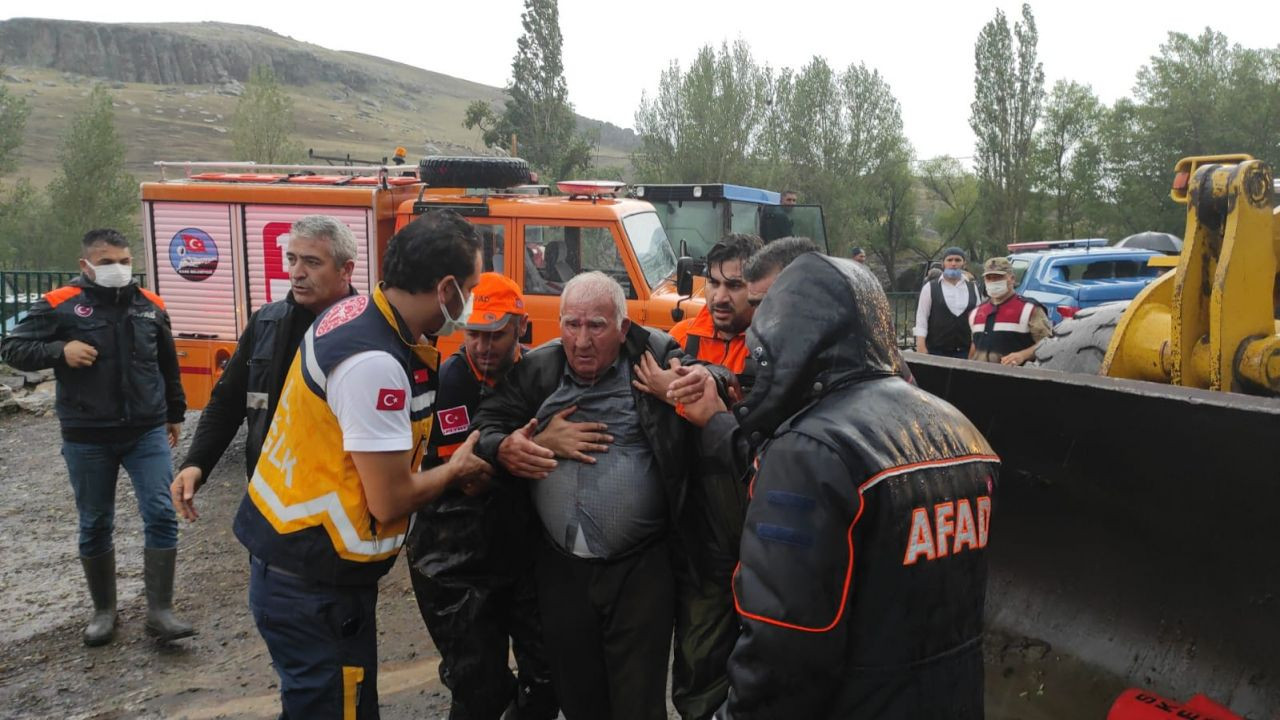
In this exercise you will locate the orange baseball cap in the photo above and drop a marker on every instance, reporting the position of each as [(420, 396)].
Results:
[(497, 298)]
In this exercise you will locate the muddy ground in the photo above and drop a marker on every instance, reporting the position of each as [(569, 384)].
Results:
[(225, 671)]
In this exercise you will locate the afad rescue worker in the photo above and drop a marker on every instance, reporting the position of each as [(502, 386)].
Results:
[(328, 506), (471, 557), (942, 313), (1006, 328), (320, 257), (855, 463), (706, 625), (120, 403)]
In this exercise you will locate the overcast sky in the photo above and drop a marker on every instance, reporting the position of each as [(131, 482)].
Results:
[(615, 51)]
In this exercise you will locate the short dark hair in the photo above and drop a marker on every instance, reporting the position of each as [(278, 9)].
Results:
[(789, 192), (773, 257), (437, 244), (103, 235), (856, 251), (738, 246)]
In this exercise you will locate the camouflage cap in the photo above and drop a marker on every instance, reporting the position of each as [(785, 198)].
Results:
[(997, 265)]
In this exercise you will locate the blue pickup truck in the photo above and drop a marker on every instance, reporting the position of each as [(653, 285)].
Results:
[(1070, 275)]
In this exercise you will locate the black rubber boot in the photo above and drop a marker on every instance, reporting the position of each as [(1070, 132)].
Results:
[(157, 574), (100, 574)]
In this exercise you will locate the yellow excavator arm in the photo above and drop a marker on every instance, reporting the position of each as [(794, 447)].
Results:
[(1211, 323)]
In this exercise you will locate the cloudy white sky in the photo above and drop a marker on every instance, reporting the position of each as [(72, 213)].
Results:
[(615, 51)]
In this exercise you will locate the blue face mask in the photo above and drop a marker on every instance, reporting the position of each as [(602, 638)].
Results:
[(953, 273)]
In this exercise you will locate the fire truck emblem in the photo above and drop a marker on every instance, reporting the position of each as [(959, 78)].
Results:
[(193, 254)]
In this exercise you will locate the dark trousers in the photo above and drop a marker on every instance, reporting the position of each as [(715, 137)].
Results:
[(473, 621), (961, 354), (706, 623), (608, 631), (323, 641)]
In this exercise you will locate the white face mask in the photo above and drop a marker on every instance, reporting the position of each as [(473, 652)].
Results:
[(112, 275), (997, 288), (454, 324)]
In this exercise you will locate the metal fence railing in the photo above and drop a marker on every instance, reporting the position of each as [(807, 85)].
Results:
[(20, 289), (903, 305)]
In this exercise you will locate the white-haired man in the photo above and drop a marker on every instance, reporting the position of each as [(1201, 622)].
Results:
[(603, 567)]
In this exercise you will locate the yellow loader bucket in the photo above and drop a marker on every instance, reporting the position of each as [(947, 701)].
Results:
[(1136, 533)]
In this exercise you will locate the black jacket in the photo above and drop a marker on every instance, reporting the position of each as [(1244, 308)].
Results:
[(250, 385), (458, 538), (135, 381), (518, 397), (863, 563)]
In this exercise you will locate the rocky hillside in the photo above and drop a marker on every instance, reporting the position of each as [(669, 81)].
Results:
[(175, 87)]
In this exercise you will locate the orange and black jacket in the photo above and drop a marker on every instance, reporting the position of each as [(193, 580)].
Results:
[(863, 566), (135, 380), (697, 335)]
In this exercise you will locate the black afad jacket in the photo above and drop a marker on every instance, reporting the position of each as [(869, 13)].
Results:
[(863, 561), (135, 380)]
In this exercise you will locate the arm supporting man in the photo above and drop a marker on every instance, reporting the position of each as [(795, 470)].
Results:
[(370, 395)]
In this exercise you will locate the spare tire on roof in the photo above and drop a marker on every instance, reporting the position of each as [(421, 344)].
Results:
[(473, 172)]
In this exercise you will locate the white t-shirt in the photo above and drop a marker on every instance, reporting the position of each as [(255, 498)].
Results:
[(370, 395)]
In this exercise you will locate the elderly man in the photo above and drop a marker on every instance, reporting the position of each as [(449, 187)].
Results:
[(855, 464), (603, 568), (1006, 328), (320, 257)]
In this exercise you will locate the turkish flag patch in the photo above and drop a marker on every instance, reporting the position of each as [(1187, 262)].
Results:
[(391, 398), (454, 420), (420, 375)]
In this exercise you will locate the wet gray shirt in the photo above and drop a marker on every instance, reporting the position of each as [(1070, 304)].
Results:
[(608, 508)]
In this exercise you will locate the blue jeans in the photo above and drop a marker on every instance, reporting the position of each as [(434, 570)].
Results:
[(94, 468), (323, 640)]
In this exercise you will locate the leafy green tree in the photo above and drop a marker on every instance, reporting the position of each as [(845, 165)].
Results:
[(262, 129), (17, 202), (1068, 160), (13, 121), (92, 188), (537, 111), (959, 222), (1008, 93), (702, 124)]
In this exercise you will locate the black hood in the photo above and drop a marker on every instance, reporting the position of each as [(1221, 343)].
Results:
[(824, 323)]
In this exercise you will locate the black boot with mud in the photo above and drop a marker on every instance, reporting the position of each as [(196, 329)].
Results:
[(100, 575), (158, 567)]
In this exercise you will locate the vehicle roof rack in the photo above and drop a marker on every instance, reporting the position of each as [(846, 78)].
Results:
[(248, 171)]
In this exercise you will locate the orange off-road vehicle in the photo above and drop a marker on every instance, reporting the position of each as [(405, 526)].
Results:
[(215, 240)]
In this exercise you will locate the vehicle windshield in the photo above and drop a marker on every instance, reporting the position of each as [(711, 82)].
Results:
[(1085, 269), (697, 223), (649, 240), (1019, 270), (794, 221)]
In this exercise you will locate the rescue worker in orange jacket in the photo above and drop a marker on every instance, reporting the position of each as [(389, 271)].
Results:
[(706, 625), (470, 557)]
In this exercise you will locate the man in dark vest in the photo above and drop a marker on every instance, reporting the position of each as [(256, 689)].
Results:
[(1007, 327), (320, 257), (942, 315)]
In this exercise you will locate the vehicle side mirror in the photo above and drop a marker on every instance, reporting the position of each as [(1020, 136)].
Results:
[(687, 269)]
